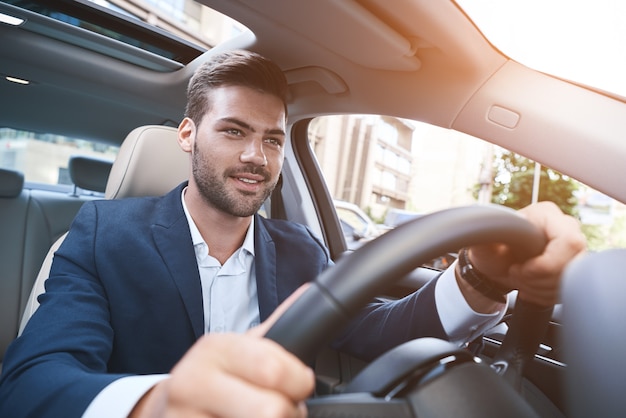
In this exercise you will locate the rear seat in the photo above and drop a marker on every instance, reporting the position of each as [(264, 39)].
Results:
[(31, 220)]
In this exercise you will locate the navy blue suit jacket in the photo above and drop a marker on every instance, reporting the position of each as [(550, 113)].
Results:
[(124, 298)]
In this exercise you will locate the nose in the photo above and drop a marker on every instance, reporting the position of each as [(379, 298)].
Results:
[(253, 153)]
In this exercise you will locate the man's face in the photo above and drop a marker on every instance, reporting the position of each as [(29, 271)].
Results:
[(239, 149)]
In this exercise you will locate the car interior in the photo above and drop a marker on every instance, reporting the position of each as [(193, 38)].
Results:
[(94, 73)]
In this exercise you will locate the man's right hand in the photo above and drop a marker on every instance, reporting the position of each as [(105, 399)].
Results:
[(233, 375)]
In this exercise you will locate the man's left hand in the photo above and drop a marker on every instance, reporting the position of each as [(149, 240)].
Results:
[(537, 279)]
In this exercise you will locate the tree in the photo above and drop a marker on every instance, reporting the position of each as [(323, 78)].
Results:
[(513, 184)]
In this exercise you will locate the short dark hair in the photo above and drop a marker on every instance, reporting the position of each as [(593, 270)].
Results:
[(233, 68)]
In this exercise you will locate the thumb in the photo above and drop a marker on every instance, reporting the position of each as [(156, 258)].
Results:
[(261, 330)]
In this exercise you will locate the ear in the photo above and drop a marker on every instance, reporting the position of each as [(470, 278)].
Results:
[(186, 134)]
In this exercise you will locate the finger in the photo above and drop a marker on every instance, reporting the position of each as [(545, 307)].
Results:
[(262, 329), (241, 399), (538, 279), (265, 363), (221, 370), (225, 395), (271, 366), (565, 241)]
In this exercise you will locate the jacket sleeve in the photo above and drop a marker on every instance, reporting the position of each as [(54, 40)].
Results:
[(384, 324)]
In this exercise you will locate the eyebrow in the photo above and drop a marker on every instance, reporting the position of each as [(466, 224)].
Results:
[(250, 128)]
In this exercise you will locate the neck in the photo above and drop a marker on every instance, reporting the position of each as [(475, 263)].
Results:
[(223, 233)]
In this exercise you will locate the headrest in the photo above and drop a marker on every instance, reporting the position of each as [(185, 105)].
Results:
[(89, 173), (11, 183), (149, 163)]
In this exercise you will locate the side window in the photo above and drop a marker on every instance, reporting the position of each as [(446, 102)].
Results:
[(43, 158), (395, 170)]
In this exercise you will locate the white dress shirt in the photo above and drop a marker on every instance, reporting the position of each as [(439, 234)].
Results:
[(229, 293)]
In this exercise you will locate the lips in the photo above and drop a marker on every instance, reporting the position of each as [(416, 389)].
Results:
[(250, 175), (249, 179), (248, 185)]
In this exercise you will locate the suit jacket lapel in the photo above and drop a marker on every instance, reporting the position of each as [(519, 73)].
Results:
[(265, 266), (173, 240)]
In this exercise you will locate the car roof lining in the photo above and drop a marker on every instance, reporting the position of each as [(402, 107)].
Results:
[(460, 78), (437, 102)]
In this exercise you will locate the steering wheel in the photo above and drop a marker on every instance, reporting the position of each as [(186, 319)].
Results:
[(426, 377)]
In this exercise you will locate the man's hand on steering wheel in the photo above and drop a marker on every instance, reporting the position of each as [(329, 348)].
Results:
[(538, 278)]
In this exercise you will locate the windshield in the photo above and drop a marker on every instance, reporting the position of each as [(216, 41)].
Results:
[(580, 41)]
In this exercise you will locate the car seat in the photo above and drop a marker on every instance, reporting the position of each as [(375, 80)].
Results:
[(149, 163)]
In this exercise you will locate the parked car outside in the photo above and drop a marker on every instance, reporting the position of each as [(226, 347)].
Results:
[(358, 228), (396, 217)]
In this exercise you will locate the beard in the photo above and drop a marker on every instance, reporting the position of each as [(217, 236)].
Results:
[(212, 187)]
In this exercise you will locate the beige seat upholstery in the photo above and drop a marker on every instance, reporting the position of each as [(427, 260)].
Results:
[(38, 287), (149, 163)]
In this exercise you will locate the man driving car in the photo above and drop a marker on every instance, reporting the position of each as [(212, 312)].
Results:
[(157, 306)]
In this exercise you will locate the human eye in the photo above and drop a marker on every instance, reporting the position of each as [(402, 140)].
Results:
[(274, 141), (233, 131)]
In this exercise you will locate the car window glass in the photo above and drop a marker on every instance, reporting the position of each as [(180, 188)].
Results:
[(178, 30), (43, 158), (356, 223), (396, 170)]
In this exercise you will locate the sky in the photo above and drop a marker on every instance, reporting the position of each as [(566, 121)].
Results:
[(579, 40)]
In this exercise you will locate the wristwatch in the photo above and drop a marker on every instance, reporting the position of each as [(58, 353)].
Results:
[(479, 281)]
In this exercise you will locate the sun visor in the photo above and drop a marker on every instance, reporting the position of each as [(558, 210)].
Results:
[(350, 30)]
